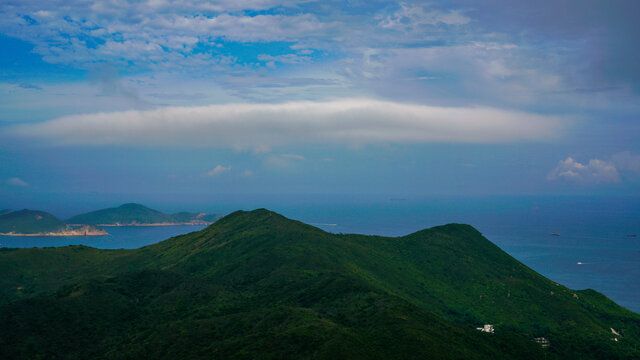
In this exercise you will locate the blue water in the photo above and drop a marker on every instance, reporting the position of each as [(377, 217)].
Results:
[(120, 237), (593, 231)]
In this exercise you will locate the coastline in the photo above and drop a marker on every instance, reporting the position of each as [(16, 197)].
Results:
[(152, 224), (81, 231), (65, 233)]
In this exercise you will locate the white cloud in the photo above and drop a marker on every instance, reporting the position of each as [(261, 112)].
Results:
[(595, 171), (218, 170), (257, 126), (411, 17), (15, 181), (148, 33)]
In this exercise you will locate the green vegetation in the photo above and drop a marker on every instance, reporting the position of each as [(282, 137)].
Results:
[(185, 217), (259, 285), (136, 214), (30, 222)]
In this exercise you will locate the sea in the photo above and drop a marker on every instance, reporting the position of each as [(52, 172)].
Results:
[(580, 242)]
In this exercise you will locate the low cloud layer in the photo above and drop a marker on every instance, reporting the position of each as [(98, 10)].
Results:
[(253, 126)]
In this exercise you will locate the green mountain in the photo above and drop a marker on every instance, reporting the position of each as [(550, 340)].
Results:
[(30, 222), (136, 214), (258, 285)]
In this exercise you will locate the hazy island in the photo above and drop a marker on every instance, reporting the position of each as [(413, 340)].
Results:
[(132, 214), (40, 223), (258, 285)]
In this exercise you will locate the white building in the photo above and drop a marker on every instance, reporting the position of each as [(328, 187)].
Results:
[(487, 328)]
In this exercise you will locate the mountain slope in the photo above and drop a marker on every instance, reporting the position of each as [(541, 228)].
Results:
[(258, 285), (136, 214)]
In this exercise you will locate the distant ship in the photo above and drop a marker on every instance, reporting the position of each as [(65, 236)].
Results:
[(555, 234), (631, 235)]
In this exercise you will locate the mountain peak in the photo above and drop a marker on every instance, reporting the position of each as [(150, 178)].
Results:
[(132, 206), (260, 216), (261, 212)]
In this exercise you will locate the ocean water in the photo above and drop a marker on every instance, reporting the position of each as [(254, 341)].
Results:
[(593, 249), (120, 237)]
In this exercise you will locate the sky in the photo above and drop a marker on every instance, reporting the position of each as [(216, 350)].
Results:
[(110, 101)]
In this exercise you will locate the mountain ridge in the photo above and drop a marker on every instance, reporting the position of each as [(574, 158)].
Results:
[(133, 214), (303, 283)]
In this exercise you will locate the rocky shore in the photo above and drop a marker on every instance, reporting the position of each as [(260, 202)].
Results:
[(78, 231)]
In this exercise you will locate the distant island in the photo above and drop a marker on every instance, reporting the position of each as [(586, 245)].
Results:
[(40, 223), (132, 214)]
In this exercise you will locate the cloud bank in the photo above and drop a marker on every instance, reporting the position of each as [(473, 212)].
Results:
[(255, 126)]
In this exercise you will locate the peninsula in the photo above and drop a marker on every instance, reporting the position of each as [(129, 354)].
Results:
[(40, 223), (132, 214)]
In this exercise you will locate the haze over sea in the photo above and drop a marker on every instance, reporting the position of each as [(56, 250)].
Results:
[(594, 248)]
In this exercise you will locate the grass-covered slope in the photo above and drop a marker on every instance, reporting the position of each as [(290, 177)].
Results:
[(136, 214), (30, 222), (258, 285)]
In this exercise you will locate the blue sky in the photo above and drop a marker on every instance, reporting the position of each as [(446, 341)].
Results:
[(115, 100)]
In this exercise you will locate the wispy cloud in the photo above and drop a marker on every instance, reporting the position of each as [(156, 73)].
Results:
[(219, 169), (148, 33), (481, 53), (411, 18), (16, 181), (352, 122)]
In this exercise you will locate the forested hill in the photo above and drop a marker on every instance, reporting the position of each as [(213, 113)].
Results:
[(136, 214), (29, 222), (258, 285)]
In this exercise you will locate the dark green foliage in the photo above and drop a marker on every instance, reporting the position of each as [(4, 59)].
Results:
[(30, 222), (258, 285), (137, 214)]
